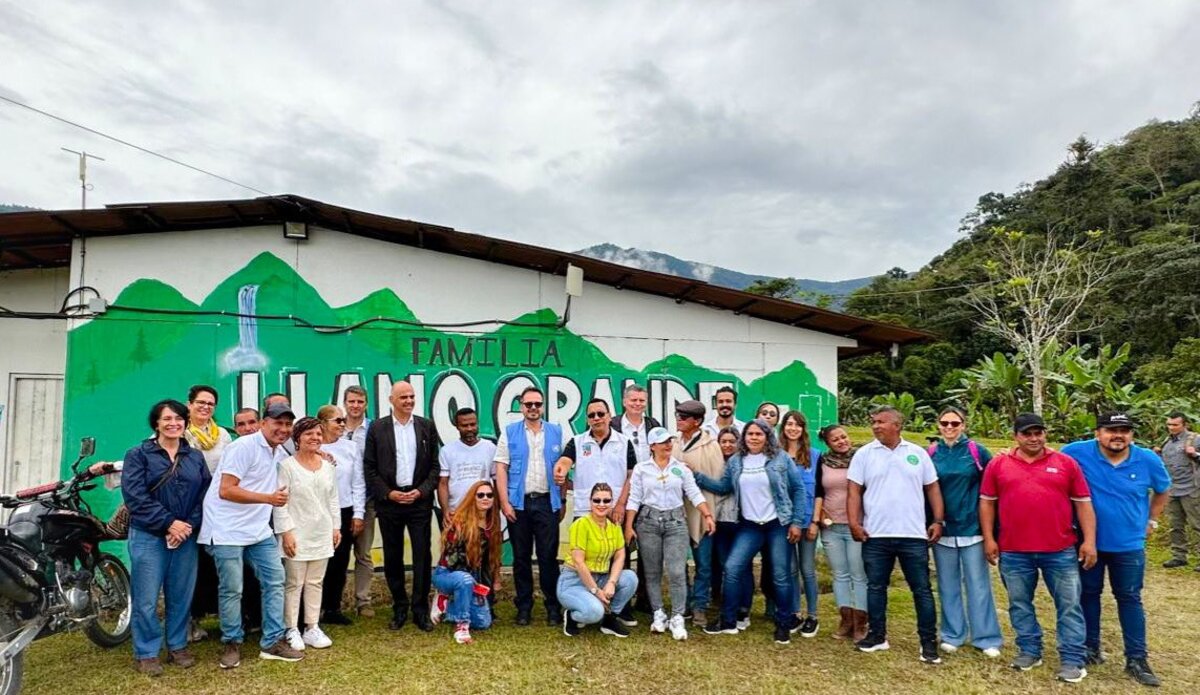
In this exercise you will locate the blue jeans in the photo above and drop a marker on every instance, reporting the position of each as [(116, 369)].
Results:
[(154, 568), (268, 567), (806, 554), (1125, 573), (1019, 571), (771, 538), (585, 608), (462, 607), (846, 565), (879, 557), (966, 566), (704, 554)]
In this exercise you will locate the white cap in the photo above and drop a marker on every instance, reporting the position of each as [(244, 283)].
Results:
[(658, 435)]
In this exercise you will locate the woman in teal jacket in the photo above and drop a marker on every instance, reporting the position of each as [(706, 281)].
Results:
[(771, 500)]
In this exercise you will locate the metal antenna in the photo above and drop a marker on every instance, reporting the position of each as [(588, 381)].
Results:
[(84, 186)]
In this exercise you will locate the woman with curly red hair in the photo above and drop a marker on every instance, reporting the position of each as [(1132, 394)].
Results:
[(469, 570)]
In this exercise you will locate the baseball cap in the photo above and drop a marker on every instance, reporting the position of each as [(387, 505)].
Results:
[(1114, 419), (1026, 421), (658, 435), (279, 410)]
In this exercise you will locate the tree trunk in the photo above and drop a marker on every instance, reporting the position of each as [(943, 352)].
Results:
[(1039, 382)]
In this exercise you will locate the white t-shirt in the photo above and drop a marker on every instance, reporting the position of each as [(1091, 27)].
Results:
[(754, 490), (466, 465), (256, 467), (714, 429), (894, 483)]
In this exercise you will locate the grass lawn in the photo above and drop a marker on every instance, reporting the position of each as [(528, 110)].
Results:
[(368, 658)]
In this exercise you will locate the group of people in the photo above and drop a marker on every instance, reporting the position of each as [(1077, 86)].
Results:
[(279, 511)]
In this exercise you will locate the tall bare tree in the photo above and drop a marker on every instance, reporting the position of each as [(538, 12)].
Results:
[(1039, 286)]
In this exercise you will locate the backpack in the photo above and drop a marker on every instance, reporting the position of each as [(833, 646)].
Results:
[(971, 446)]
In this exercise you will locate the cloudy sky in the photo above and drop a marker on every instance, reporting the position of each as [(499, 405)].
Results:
[(844, 138)]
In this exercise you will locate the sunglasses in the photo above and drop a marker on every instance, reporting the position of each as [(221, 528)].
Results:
[(601, 500), (950, 423), (338, 420), (484, 495), (595, 416), (532, 404)]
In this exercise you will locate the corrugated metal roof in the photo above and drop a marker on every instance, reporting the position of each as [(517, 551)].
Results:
[(43, 239)]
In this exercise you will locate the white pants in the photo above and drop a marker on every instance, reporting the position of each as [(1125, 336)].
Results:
[(302, 576)]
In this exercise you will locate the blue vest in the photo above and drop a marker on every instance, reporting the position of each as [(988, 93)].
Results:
[(518, 459)]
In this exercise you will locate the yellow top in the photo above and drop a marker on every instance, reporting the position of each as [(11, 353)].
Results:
[(598, 545)]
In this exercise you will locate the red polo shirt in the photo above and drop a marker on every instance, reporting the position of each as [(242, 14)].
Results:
[(1035, 500)]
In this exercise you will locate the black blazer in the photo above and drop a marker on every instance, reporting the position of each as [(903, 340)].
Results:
[(379, 463)]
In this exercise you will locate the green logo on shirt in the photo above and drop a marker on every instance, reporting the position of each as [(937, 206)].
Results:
[(913, 460), (676, 472)]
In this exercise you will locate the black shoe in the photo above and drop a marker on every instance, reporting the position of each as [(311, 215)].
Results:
[(809, 626), (716, 627), (397, 622), (1139, 670), (782, 634), (872, 643), (570, 627), (1175, 562), (626, 616), (524, 618), (554, 617), (336, 618), (794, 624), (612, 626), (929, 653), (1094, 657), (423, 623)]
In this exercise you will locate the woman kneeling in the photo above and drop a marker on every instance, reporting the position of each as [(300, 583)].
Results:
[(594, 586), (468, 573)]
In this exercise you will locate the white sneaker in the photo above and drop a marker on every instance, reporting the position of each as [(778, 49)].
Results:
[(949, 648), (660, 621), (294, 640), (678, 631), (991, 653), (195, 632), (316, 638), (743, 623)]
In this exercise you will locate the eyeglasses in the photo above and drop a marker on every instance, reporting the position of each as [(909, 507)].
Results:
[(204, 404), (338, 420), (532, 404), (684, 416), (484, 495), (950, 423), (601, 500), (595, 416)]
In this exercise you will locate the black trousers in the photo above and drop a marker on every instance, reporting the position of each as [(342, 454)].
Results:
[(536, 527), (335, 572), (394, 520), (204, 598)]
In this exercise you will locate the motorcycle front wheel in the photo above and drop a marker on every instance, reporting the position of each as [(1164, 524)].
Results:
[(111, 597), (12, 670)]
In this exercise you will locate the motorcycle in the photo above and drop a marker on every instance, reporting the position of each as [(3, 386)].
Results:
[(53, 577)]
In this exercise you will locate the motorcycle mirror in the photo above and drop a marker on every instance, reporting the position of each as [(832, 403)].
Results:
[(87, 447)]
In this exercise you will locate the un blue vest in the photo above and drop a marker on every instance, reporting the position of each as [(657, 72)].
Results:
[(518, 459)]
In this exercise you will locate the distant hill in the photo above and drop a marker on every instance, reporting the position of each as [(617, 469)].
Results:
[(665, 263), (4, 207)]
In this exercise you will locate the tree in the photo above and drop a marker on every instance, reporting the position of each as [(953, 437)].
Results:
[(1039, 286), (779, 288)]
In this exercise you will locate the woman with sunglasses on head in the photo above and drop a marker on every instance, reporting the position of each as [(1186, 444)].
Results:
[(841, 550), (352, 498), (594, 585), (771, 501), (468, 572), (309, 528), (655, 515), (795, 442), (970, 614)]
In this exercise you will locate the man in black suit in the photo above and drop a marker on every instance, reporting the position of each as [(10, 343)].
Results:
[(400, 463)]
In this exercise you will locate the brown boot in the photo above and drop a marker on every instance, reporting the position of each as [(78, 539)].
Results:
[(846, 627), (149, 667), (860, 625)]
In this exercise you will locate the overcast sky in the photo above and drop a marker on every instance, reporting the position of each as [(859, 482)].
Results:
[(844, 138)]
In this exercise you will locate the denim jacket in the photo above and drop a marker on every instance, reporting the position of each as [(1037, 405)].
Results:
[(787, 486)]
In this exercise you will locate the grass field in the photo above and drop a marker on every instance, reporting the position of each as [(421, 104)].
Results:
[(368, 658)]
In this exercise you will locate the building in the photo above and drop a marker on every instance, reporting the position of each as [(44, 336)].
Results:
[(107, 311)]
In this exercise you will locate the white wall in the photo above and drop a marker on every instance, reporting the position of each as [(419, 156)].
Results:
[(28, 346), (631, 327)]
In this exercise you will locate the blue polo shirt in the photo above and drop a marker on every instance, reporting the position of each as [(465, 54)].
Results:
[(1121, 493)]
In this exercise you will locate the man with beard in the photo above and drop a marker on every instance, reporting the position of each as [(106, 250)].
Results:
[(1129, 487), (726, 401)]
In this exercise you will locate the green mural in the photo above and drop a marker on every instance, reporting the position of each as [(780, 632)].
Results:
[(123, 361)]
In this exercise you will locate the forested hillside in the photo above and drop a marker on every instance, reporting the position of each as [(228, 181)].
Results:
[(1136, 202)]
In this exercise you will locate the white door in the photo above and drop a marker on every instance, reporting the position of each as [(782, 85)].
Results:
[(34, 431)]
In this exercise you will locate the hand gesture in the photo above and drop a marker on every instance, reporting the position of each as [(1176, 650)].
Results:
[(509, 512), (279, 498), (1087, 555), (337, 537), (560, 473), (991, 549), (934, 532), (289, 543), (630, 534), (859, 533), (813, 531), (356, 527), (794, 534), (710, 526)]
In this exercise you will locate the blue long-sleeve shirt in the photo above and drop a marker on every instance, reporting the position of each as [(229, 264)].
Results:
[(179, 498)]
